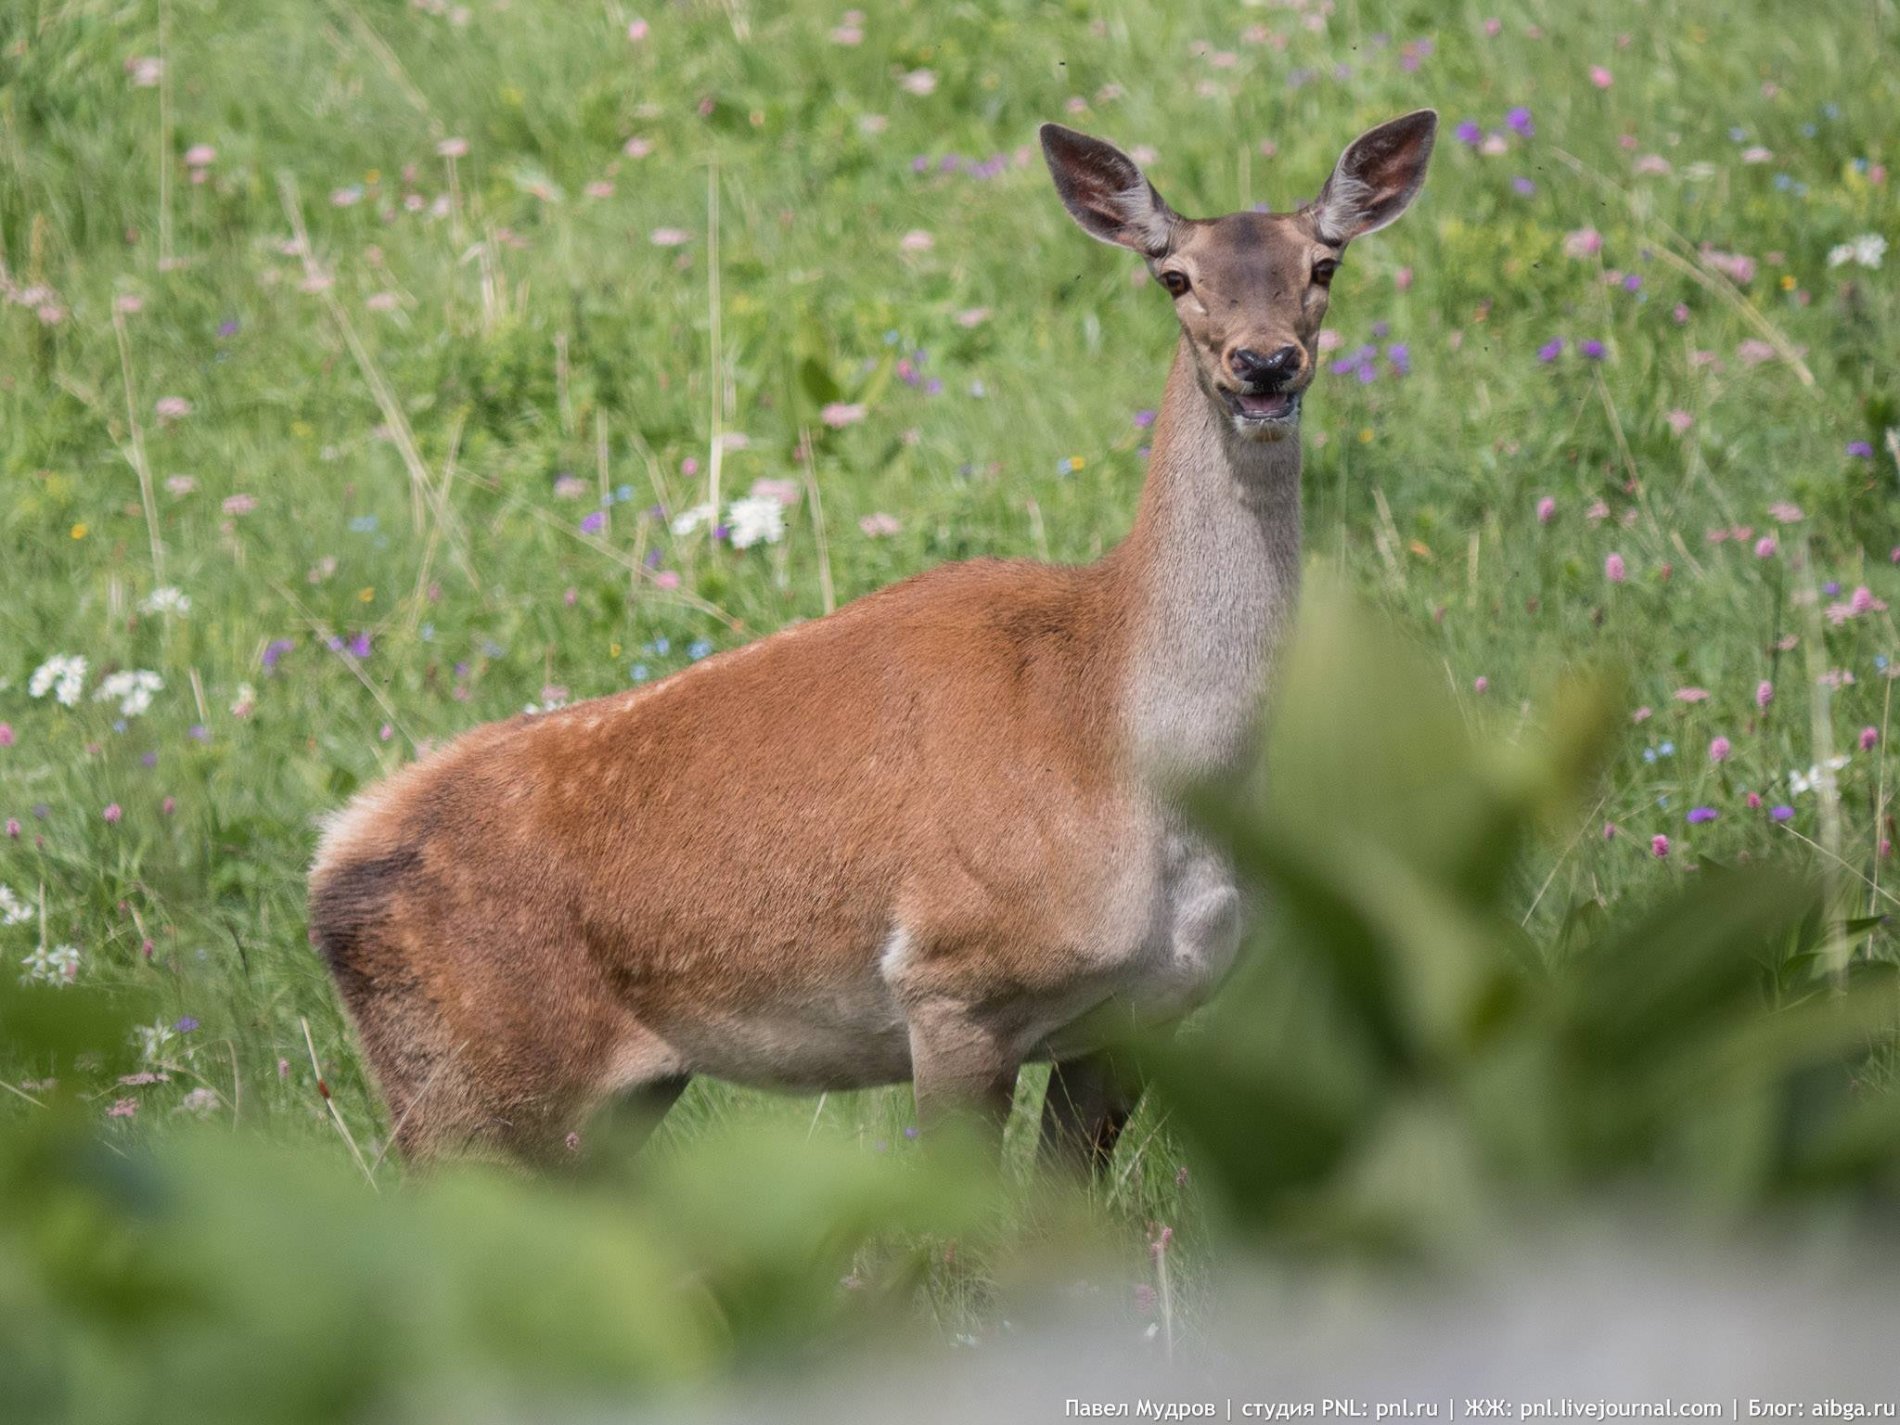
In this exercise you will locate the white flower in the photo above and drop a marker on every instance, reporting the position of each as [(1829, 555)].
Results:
[(58, 966), (245, 703), (201, 1102), (756, 519), (166, 600), (686, 521), (64, 674), (1801, 783), (13, 910), (132, 687), (1867, 250), (151, 1038)]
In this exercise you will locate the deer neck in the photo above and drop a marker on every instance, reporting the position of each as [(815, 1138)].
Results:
[(1209, 576)]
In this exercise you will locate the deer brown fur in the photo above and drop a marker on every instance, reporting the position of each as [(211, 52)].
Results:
[(926, 837)]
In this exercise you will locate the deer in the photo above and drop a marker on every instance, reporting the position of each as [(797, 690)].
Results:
[(932, 836)]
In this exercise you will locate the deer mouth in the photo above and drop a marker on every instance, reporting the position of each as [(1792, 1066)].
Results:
[(1264, 407)]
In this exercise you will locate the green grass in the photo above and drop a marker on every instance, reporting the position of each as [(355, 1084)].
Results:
[(533, 347)]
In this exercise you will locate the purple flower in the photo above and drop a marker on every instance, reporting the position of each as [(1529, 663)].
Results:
[(1144, 419), (1519, 120), (274, 651), (360, 646), (1593, 349), (1523, 187), (1632, 281), (1469, 132), (1860, 449), (1551, 350), (1698, 815), (594, 522), (1780, 813), (186, 1025), (1400, 355)]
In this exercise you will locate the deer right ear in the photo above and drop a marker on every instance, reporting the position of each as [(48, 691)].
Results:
[(1106, 193)]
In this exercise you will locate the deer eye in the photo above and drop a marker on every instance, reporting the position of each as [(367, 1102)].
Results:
[(1176, 282), (1323, 271)]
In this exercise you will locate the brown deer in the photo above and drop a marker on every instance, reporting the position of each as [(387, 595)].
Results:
[(927, 837)]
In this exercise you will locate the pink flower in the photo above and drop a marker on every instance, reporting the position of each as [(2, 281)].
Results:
[(1719, 749), (1786, 512), (670, 237), (1481, 684), (637, 147), (13, 828), (1752, 801), (839, 414), (239, 504), (1402, 279), (1546, 510), (113, 813), (1680, 421), (1601, 77), (666, 579), (1764, 693), (172, 408), (200, 155), (1659, 846), (600, 188), (6, 734), (1584, 242), (1754, 352), (1692, 695), (917, 240), (1609, 831), (786, 492), (1868, 737), (879, 525), (1597, 512), (1863, 602), (168, 806), (1642, 715), (1613, 569), (123, 1108), (1765, 547), (637, 30)]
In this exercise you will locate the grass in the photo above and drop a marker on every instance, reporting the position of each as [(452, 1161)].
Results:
[(390, 385)]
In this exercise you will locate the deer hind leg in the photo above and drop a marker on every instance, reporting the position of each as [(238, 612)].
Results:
[(1090, 1100)]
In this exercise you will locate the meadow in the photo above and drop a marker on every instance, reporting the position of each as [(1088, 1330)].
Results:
[(369, 370)]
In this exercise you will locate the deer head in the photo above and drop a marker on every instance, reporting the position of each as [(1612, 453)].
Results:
[(1249, 289)]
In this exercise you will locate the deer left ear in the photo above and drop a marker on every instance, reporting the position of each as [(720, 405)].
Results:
[(1376, 178)]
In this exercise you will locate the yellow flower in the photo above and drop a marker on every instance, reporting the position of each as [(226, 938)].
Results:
[(363, 596), (1787, 282), (613, 650), (79, 530), (1365, 435)]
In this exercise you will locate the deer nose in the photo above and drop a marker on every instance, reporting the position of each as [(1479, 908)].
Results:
[(1250, 365)]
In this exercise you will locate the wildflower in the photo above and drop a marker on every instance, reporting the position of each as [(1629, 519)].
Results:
[(1518, 120), (637, 147), (113, 814), (1546, 510), (1601, 77), (274, 652), (1765, 547), (1679, 421), (1468, 132), (920, 82), (786, 492), (1551, 350), (756, 519), (151, 1040), (1719, 749), (1523, 186), (1613, 569), (1764, 693), (64, 674), (57, 966), (686, 521), (839, 414), (917, 240), (879, 525), (1481, 684), (1783, 813), (132, 687), (1692, 695), (594, 522), (1752, 801), (1700, 815), (1609, 831), (1868, 737), (245, 703), (13, 910), (452, 148), (123, 1108), (1860, 449), (200, 1102), (1659, 846), (1867, 250), (1754, 352), (180, 484), (200, 155), (1592, 350), (669, 237), (1584, 242), (239, 504), (1785, 512), (166, 599)]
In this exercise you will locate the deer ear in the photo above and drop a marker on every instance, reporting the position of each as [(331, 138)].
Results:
[(1106, 193), (1376, 178)]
